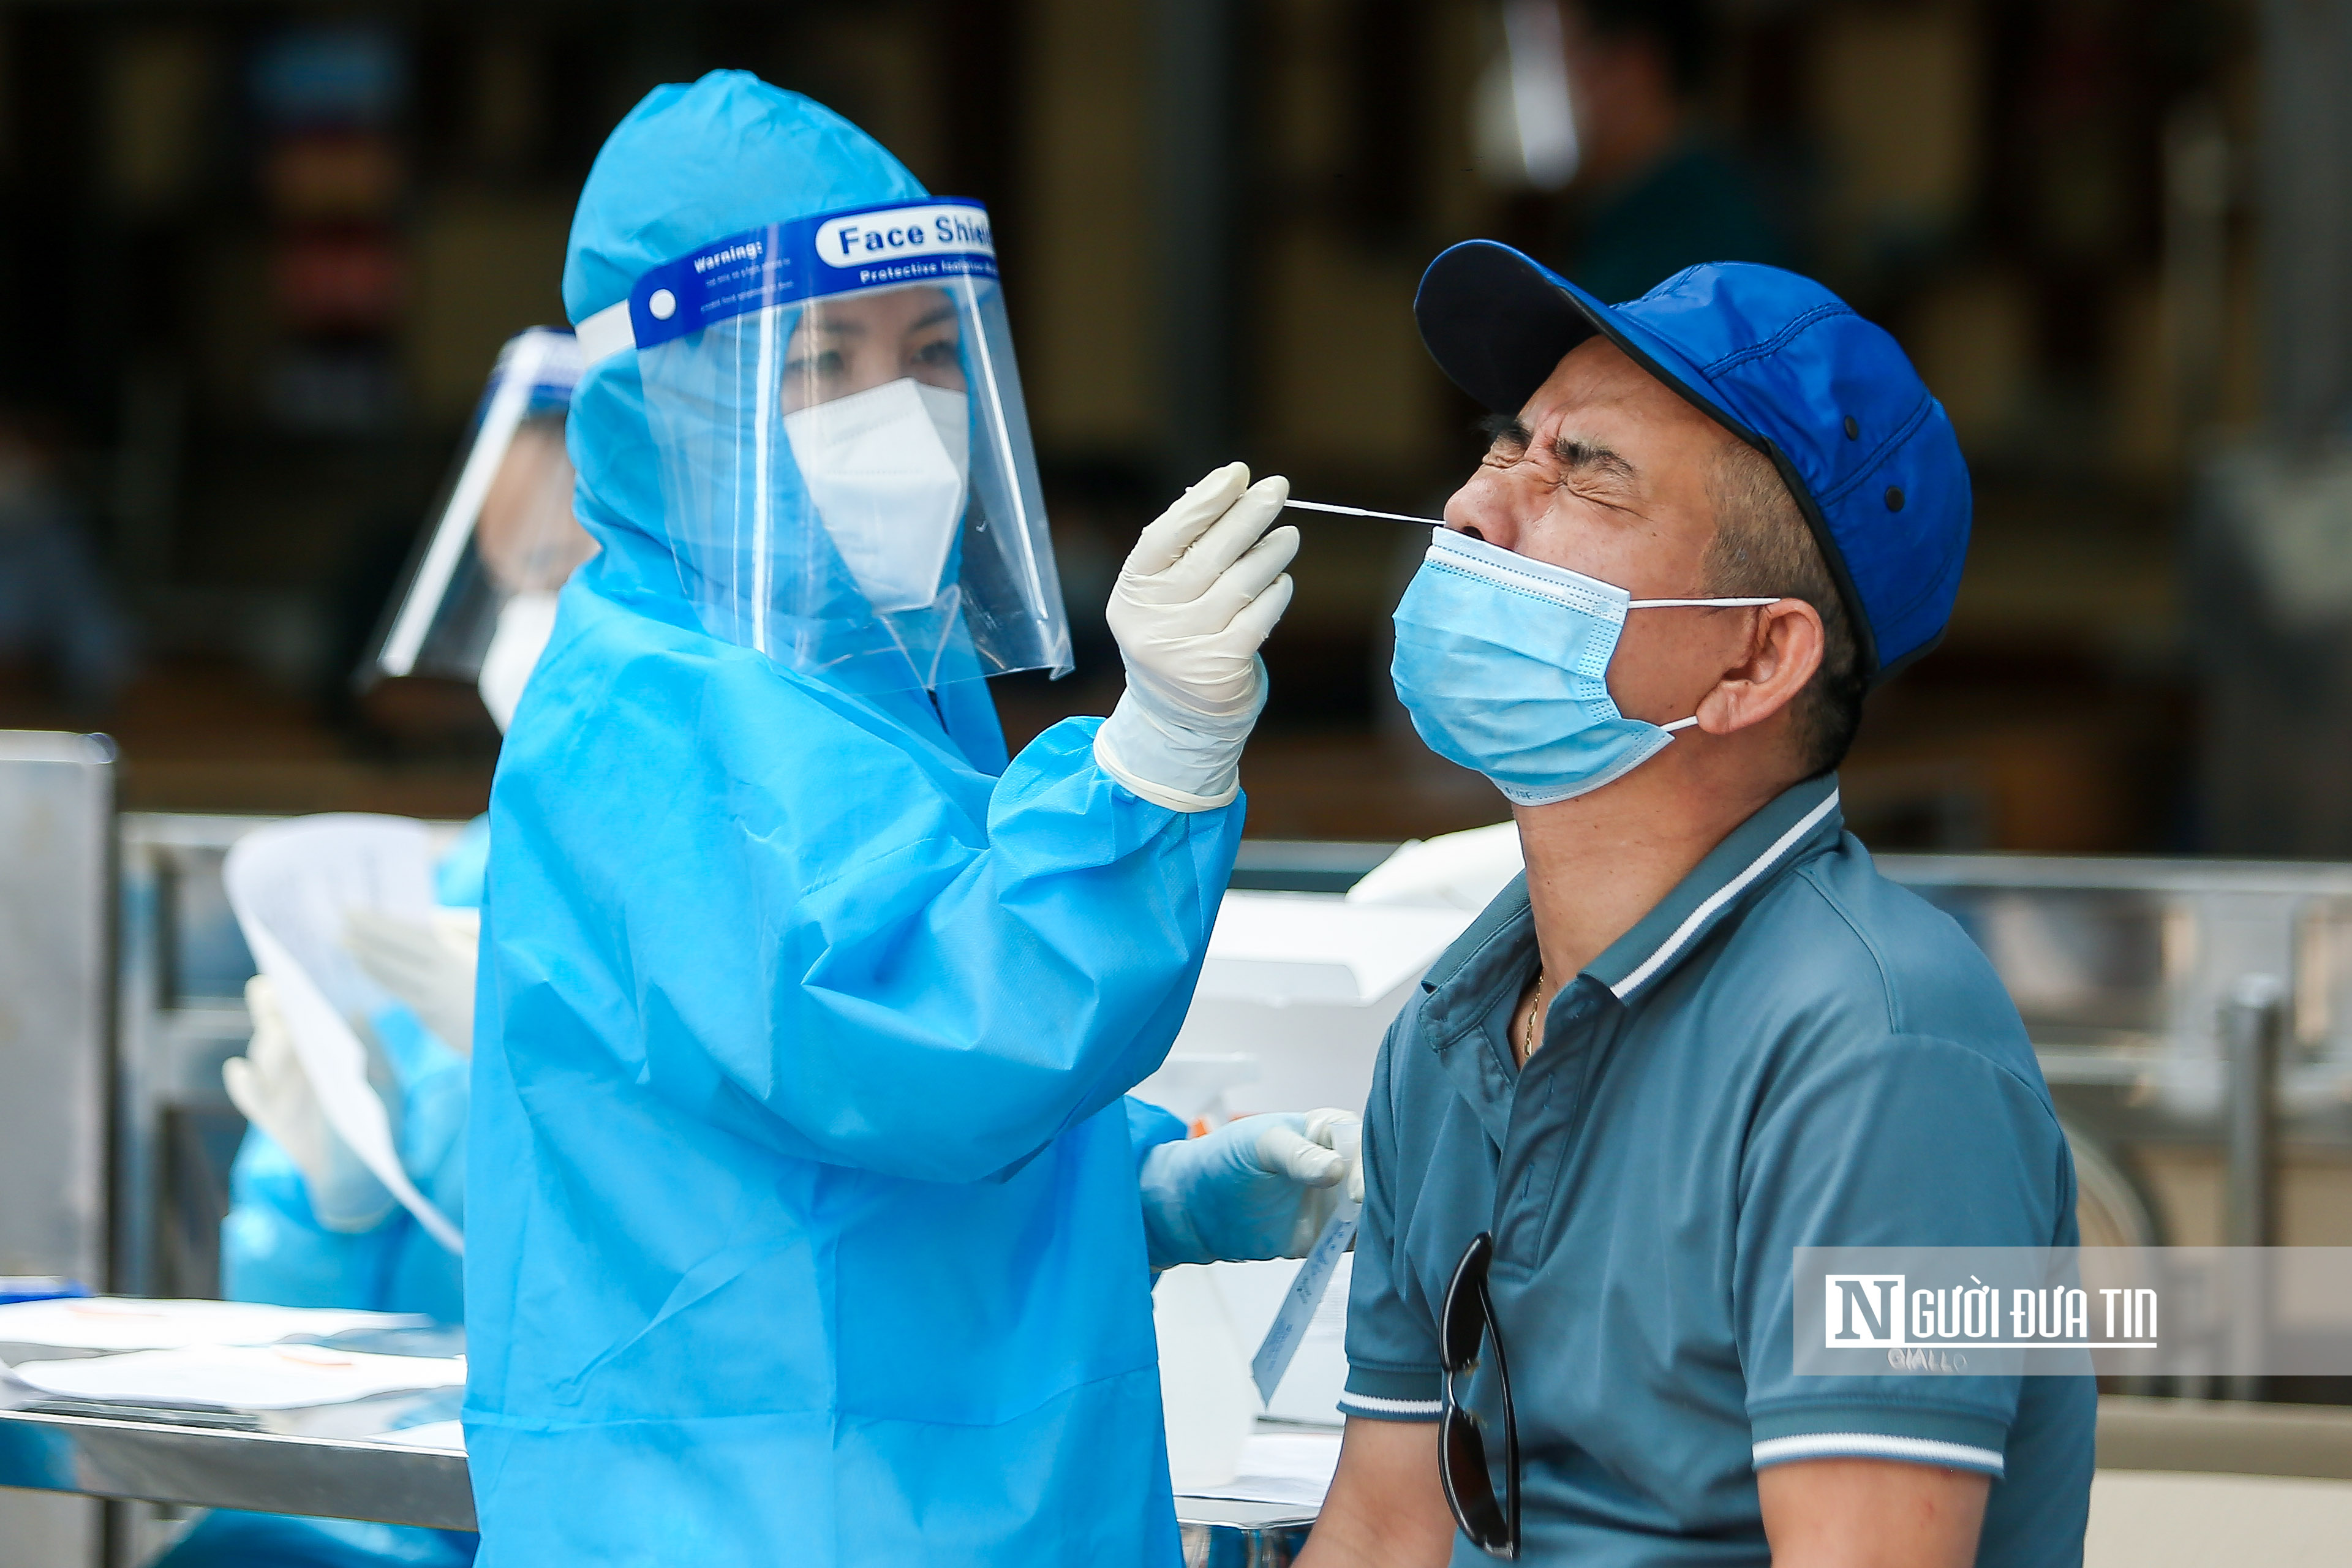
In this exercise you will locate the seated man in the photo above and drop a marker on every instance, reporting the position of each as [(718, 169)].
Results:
[(1701, 1031)]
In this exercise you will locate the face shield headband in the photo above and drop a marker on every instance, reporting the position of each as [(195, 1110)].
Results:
[(848, 484)]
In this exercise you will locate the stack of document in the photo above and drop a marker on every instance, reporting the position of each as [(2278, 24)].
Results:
[(129, 1323), (230, 1362), (240, 1377)]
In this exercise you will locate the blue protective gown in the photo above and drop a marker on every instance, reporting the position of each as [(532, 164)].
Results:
[(803, 1222)]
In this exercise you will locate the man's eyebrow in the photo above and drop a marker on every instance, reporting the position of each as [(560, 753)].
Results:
[(1579, 456), (1502, 430), (944, 311)]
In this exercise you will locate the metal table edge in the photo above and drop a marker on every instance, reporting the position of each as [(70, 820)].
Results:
[(359, 1477), (268, 1472)]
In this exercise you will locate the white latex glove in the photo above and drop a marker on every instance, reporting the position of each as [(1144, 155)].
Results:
[(1259, 1187), (1201, 589), (1197, 596), (270, 1088), (429, 965)]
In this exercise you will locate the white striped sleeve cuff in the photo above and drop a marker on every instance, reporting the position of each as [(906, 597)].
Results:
[(1876, 1445), (1379, 1409)]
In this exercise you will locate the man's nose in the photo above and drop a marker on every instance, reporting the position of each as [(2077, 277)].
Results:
[(1492, 504)]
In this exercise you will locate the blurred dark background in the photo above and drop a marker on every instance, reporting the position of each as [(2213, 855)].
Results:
[(260, 258)]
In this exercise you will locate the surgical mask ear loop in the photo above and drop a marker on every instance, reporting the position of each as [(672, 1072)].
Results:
[(1692, 604), (1696, 603)]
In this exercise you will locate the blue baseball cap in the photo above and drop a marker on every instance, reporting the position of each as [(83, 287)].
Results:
[(1781, 363)]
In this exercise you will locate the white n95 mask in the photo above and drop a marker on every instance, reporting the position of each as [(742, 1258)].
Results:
[(525, 622), (886, 469)]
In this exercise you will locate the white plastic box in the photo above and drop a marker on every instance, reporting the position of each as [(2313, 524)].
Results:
[(1306, 985)]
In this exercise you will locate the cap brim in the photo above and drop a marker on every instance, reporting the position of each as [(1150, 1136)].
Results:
[(1499, 322)]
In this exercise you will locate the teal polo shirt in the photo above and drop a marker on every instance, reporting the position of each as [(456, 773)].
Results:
[(1788, 1051)]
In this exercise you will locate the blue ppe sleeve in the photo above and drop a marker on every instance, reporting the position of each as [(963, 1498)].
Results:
[(808, 917), (1150, 1125), (274, 1249)]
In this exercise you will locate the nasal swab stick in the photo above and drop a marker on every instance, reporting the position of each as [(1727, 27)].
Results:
[(1362, 511)]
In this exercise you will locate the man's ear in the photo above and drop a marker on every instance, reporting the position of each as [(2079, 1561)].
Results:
[(1782, 656)]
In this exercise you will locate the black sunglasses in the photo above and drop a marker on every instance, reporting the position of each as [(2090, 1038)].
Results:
[(1469, 1320)]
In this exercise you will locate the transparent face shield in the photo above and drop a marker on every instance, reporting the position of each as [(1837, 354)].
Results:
[(479, 599), (847, 480)]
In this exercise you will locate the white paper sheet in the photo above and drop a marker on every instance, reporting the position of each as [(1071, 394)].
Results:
[(130, 1323), (1292, 1467), (240, 1377), (1308, 1301), (292, 886)]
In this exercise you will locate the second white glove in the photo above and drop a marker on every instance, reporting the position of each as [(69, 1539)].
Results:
[(428, 964), (269, 1086)]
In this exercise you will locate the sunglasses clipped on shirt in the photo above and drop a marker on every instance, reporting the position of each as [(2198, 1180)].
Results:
[(1468, 1323)]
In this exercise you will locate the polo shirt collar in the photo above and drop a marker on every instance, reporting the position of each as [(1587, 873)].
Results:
[(1796, 824)]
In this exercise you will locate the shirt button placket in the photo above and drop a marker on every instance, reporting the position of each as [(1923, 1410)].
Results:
[(1555, 1114)]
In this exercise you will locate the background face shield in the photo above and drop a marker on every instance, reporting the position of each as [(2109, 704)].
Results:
[(501, 538), (848, 483)]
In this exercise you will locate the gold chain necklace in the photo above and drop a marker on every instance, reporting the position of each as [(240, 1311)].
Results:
[(1527, 1045)]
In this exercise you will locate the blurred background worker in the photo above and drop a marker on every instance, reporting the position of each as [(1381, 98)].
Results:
[(310, 1224), (807, 1214), (1654, 191)]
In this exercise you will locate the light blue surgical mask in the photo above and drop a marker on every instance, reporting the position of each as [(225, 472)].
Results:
[(1503, 662)]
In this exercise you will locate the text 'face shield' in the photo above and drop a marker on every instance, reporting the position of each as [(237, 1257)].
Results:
[(480, 593), (847, 479)]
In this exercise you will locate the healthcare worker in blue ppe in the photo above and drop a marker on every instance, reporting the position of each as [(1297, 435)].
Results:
[(807, 1221), (309, 1225)]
